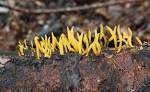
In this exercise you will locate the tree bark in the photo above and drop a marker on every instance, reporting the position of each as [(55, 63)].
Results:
[(127, 71)]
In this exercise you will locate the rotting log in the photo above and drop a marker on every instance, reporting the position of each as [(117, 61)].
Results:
[(127, 71)]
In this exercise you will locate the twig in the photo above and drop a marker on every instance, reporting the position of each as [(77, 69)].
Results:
[(69, 9)]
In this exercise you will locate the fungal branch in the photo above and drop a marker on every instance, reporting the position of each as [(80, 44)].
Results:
[(82, 44)]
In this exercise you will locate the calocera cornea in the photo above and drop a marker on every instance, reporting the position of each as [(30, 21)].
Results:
[(82, 44), (22, 47)]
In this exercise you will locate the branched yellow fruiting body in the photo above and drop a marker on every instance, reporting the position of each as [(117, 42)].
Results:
[(103, 36), (130, 37), (54, 42), (37, 44), (113, 35), (120, 38), (95, 46), (86, 42), (25, 44), (21, 49), (46, 46), (67, 43), (83, 44), (64, 42), (32, 49), (139, 41), (125, 38), (60, 46), (43, 46), (72, 40), (89, 36), (80, 39)]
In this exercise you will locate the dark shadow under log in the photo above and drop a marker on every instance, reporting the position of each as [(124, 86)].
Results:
[(127, 71)]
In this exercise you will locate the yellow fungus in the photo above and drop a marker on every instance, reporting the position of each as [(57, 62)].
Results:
[(89, 36), (82, 44), (130, 37), (72, 40), (125, 39), (60, 46), (103, 36), (138, 40), (86, 42), (113, 35), (36, 38), (66, 43), (32, 49), (95, 46), (21, 49), (25, 44), (120, 38), (54, 42)]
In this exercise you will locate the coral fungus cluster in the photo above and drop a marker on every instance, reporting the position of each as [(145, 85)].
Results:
[(80, 43)]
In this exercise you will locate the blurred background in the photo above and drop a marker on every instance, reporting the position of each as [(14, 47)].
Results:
[(23, 19)]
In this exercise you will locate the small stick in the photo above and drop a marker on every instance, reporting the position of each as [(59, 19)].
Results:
[(69, 9)]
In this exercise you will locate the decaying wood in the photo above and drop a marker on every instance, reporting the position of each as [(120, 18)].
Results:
[(127, 71)]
